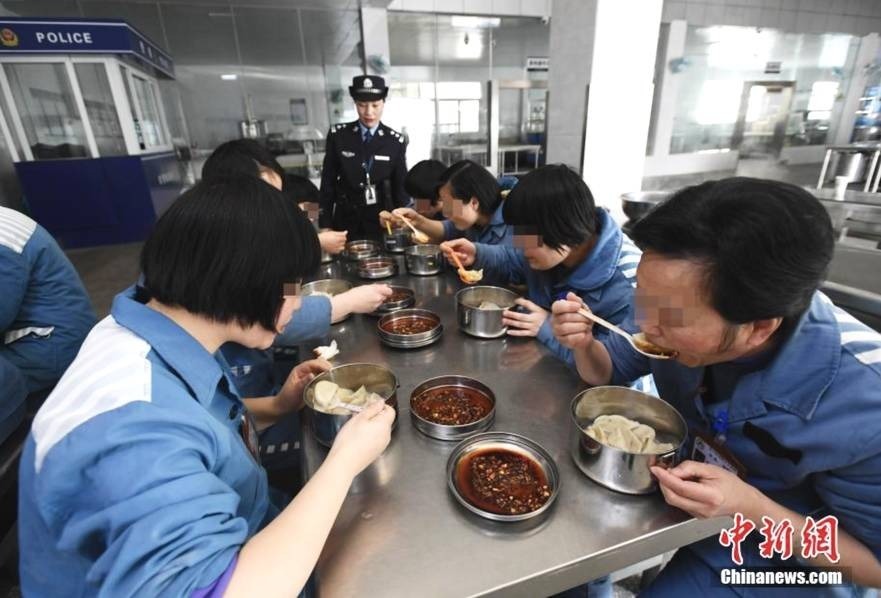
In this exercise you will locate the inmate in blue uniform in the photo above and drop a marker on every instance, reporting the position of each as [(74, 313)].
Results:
[(805, 426), (44, 312), (496, 232), (135, 479), (605, 280)]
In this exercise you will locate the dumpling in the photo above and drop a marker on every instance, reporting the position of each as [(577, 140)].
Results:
[(325, 393), (626, 434)]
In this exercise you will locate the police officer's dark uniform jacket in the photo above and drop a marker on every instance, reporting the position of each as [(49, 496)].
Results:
[(344, 202)]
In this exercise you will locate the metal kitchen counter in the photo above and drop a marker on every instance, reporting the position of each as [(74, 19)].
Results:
[(400, 532)]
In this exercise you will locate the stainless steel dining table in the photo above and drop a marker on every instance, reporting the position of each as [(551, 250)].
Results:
[(400, 532)]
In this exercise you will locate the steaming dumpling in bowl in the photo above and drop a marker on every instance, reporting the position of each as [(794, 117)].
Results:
[(327, 394), (627, 435), (489, 305)]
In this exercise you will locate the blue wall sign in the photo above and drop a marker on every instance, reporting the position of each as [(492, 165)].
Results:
[(72, 36)]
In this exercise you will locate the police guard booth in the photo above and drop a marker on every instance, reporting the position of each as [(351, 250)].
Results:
[(84, 121)]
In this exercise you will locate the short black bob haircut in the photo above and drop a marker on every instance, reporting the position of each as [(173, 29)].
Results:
[(469, 179), (422, 180), (300, 189), (556, 202), (765, 245), (226, 248), (245, 157)]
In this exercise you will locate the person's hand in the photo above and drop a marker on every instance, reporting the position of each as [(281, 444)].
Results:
[(409, 213), (363, 438), (524, 324), (363, 299), (704, 490), (332, 241), (464, 249), (386, 218), (572, 330), (290, 397)]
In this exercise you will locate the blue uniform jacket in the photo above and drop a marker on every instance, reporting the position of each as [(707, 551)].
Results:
[(134, 480), (44, 310), (252, 369), (819, 398), (496, 232), (605, 280)]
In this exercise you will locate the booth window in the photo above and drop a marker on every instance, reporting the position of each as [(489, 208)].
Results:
[(48, 111), (142, 98), (101, 110)]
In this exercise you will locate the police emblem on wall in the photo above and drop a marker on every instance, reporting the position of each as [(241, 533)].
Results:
[(8, 38)]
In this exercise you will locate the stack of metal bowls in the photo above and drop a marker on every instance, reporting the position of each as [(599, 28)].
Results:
[(483, 323), (614, 468), (375, 378), (423, 260), (328, 286), (372, 268), (361, 249), (397, 241), (452, 432), (408, 299), (409, 341)]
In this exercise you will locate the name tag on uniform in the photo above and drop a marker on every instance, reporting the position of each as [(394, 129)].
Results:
[(381, 158), (370, 195), (348, 154), (707, 450)]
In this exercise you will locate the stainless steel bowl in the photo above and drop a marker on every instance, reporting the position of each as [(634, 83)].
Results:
[(483, 323), (330, 286), (375, 378), (393, 306), (507, 441), (398, 241), (409, 341), (452, 432), (423, 260), (612, 467), (372, 268), (360, 249)]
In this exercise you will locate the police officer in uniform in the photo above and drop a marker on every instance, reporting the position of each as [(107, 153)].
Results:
[(364, 166)]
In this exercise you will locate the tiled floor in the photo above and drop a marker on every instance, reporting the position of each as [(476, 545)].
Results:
[(105, 271)]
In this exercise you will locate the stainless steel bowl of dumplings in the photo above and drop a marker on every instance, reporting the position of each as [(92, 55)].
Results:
[(326, 420), (423, 260), (618, 433), (479, 310), (327, 287)]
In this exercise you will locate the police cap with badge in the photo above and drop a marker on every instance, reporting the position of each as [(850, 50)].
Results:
[(368, 88)]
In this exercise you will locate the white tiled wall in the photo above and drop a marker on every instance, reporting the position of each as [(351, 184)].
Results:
[(858, 17)]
